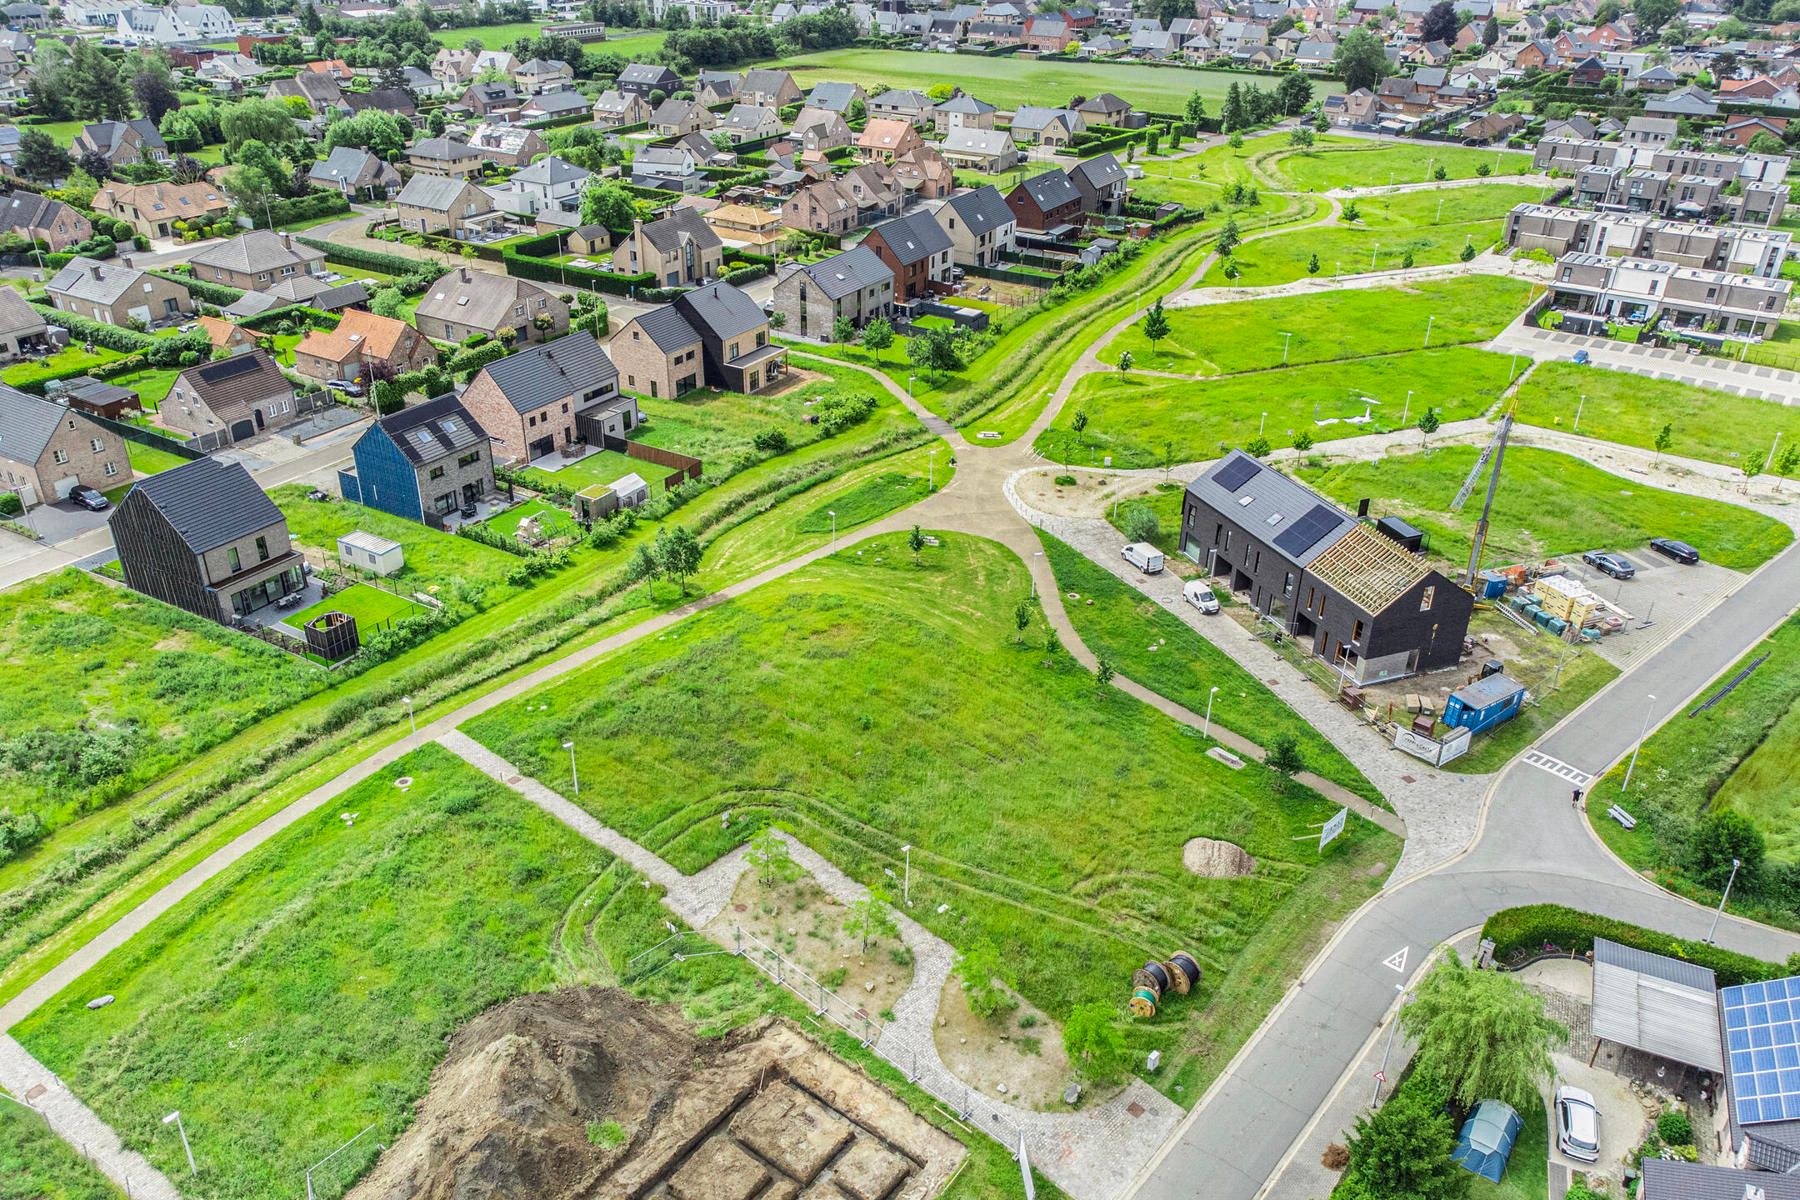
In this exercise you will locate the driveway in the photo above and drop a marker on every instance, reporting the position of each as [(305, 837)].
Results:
[(61, 521)]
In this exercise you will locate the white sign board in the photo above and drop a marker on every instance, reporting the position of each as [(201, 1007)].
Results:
[(1454, 745), (1333, 828)]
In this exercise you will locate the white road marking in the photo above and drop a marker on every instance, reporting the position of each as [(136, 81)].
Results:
[(1558, 768), (1397, 960)]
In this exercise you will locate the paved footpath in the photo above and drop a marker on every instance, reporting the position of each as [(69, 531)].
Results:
[(28, 1080), (1703, 370)]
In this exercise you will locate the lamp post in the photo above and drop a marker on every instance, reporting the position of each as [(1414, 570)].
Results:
[(174, 1118), (1428, 323), (909, 385), (1206, 730), (1580, 403), (1372, 254), (1439, 219), (832, 513), (1388, 1049), (1714, 927), (1284, 347), (1259, 425), (1034, 557), (1407, 407), (1648, 709), (906, 882), (574, 776), (407, 700)]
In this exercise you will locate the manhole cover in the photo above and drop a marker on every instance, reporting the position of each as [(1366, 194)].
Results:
[(515, 780), (1135, 1109), (1407, 779), (35, 1090)]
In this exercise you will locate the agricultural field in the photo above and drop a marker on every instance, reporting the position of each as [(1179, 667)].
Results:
[(1250, 335), (1593, 509), (1146, 420), (1629, 409), (336, 958), (820, 700), (1368, 164), (103, 690), (1010, 82)]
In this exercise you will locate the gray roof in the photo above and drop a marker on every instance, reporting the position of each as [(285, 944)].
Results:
[(26, 425), (435, 192), (480, 301), (651, 73), (540, 66), (666, 234), (556, 103), (748, 116), (346, 162), (442, 150), (90, 279), (982, 209), (723, 310), (28, 210), (16, 315), (913, 237), (1100, 172), (549, 371), (209, 502), (1272, 506), (1661, 1005), (1050, 189), (966, 104), (841, 274), (550, 170), (435, 429), (904, 98), (835, 96), (667, 328), (257, 251), (1672, 1179), (1033, 116)]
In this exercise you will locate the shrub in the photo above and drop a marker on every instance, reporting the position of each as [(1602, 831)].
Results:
[(838, 413), (10, 505), (1674, 1128), (1518, 932), (771, 441), (1140, 523), (1065, 481)]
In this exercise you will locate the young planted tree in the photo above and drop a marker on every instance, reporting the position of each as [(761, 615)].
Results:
[(980, 971), (678, 553), (1021, 619), (1428, 425), (1752, 464), (768, 856), (1258, 447), (1094, 1044), (1229, 237), (1285, 759), (1785, 462), (1482, 1035), (869, 919), (1156, 323), (843, 329), (915, 541), (1303, 441), (1079, 423), (1301, 137), (645, 566), (1103, 676), (1312, 264), (877, 336), (1401, 1151), (1665, 437), (1125, 360)]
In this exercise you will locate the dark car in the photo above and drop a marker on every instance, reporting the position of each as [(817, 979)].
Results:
[(1681, 552), (89, 498), (1616, 565)]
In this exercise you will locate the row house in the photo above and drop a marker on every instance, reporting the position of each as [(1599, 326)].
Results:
[(1643, 291), (916, 249), (855, 285), (1558, 231)]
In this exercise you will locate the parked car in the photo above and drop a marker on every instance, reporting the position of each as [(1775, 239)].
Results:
[(1199, 593), (89, 498), (1577, 1124), (1581, 358), (1681, 552), (345, 386), (1144, 557), (1608, 563)]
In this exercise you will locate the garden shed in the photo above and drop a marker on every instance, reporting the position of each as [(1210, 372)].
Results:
[(370, 552)]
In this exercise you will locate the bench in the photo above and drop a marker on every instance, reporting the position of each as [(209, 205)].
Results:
[(1622, 817)]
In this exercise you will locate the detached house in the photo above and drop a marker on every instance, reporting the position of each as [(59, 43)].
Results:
[(356, 173), (454, 207), (675, 118), (117, 295), (988, 150), (360, 342), (507, 145), (924, 174), (230, 399), (643, 78), (980, 225), (883, 140), (444, 157), (49, 221), (750, 123), (915, 249), (1102, 183), (615, 108), (768, 88), (122, 143), (421, 463), (153, 208), (963, 111), (47, 450), (550, 396), (820, 129), (855, 285), (680, 250), (715, 336), (1055, 127), (819, 208), (550, 184), (907, 105), (538, 75), (464, 302), (252, 261)]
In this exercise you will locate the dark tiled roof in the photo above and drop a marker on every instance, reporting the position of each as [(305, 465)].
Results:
[(982, 209), (549, 371), (722, 309), (1101, 172), (854, 269), (667, 328), (433, 430), (1670, 1179), (913, 237), (230, 385), (1051, 190), (26, 425), (209, 502)]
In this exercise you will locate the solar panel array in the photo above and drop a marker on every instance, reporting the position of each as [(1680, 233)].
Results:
[(1305, 532), (1236, 473), (1762, 1048), (230, 368)]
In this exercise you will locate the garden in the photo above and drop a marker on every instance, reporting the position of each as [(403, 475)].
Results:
[(374, 608), (820, 700)]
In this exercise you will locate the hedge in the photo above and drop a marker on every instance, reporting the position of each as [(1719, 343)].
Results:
[(522, 259), (98, 332), (315, 318), (212, 293), (475, 359), (300, 208), (1527, 930), (373, 260)]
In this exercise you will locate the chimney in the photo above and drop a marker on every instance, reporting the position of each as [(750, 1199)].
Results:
[(463, 273), (287, 241), (94, 271)]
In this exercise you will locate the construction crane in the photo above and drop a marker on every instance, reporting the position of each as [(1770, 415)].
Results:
[(1496, 451)]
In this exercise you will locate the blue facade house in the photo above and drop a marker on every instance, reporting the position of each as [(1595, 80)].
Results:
[(1485, 703), (423, 463)]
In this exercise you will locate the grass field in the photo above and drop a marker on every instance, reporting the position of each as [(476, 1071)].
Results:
[(552, 521), (867, 501), (1372, 165), (1010, 82), (1549, 504), (715, 426), (1446, 206), (633, 44), (151, 384), (309, 990), (1137, 419), (373, 608), (1156, 648), (492, 37), (1630, 409), (73, 358), (1248, 335), (1350, 251), (440, 564), (103, 690), (823, 700), (35, 1164)]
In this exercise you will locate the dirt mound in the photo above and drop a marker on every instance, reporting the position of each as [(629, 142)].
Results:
[(1216, 860)]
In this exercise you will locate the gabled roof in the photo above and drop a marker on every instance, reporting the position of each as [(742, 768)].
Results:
[(748, 116), (914, 237), (434, 192), (209, 502), (1672, 1179), (90, 279), (982, 209), (357, 330), (1032, 116), (257, 251), (722, 310), (27, 423), (477, 299), (977, 141), (441, 149), (28, 210), (1280, 512), (667, 234), (16, 316), (433, 430), (1100, 172), (966, 104), (842, 274), (667, 328), (550, 371), (651, 73), (230, 385), (346, 163), (1050, 190), (550, 171)]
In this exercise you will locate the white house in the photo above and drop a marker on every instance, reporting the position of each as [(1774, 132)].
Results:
[(550, 184)]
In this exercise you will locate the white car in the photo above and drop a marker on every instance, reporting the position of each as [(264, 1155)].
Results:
[(1199, 593), (1577, 1124)]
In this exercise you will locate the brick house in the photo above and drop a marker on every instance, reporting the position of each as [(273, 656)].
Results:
[(856, 285), (916, 249), (679, 250), (444, 156), (360, 342), (254, 261), (231, 399), (153, 208), (454, 207), (49, 221), (466, 302), (715, 336), (819, 208), (532, 404), (980, 225), (46, 449), (884, 140), (1045, 203), (117, 295)]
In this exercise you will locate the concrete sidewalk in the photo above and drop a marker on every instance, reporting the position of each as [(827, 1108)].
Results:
[(1741, 378)]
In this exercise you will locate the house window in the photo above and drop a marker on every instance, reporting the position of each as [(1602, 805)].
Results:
[(231, 559), (62, 456), (111, 469), (1426, 597), (262, 549), (96, 445), (470, 459), (1356, 630), (437, 472)]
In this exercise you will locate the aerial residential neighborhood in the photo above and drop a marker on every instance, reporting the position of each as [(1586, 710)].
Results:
[(823, 600)]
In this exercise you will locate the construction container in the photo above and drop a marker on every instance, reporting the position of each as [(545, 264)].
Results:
[(1490, 585), (1485, 703)]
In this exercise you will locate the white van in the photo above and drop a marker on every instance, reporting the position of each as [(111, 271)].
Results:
[(1199, 593), (1144, 557)]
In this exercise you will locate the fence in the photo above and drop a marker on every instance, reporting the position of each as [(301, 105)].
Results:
[(920, 1064), (147, 437), (685, 466)]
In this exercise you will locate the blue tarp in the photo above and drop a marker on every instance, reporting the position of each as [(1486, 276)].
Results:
[(1487, 1139)]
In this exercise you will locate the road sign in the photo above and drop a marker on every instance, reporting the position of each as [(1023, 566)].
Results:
[(1396, 961), (1381, 1077), (1333, 828)]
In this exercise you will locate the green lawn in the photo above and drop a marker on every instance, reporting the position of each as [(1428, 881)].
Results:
[(309, 991), (1248, 335), (633, 44), (867, 501), (145, 460), (554, 521), (73, 358), (1369, 164), (602, 466), (454, 569), (1549, 504), (1447, 206), (1630, 409), (495, 37), (1137, 419), (1349, 251), (1010, 82), (151, 384), (715, 426), (373, 609), (35, 1164), (102, 690), (1156, 648), (870, 702)]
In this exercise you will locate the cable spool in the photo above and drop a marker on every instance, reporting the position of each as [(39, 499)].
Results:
[(1161, 974), (1144, 979), (1177, 978), (1188, 966), (1143, 1003)]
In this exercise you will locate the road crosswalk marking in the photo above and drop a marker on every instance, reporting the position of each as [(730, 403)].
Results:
[(1558, 768)]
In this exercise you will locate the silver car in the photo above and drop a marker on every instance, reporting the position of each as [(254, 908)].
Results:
[(1577, 1124)]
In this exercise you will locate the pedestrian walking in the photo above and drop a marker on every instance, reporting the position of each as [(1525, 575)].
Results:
[(1575, 801)]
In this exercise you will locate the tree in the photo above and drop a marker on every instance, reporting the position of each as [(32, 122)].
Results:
[(1401, 1151), (1232, 116), (1022, 618), (769, 857), (915, 541), (1303, 441), (1785, 463), (1722, 836), (1482, 1035), (678, 553), (39, 157), (843, 329), (1301, 137), (268, 121), (96, 164), (1406, 260), (605, 202), (1361, 60), (1766, 143), (1140, 522), (1293, 94), (1467, 253), (644, 566), (1439, 24), (869, 919), (877, 336), (934, 349), (980, 970), (387, 302), (1125, 360), (1103, 676), (1079, 423), (310, 24), (1196, 107), (1229, 237), (1156, 323), (383, 134), (1428, 425), (1665, 437), (1351, 212), (1312, 264), (1236, 140), (1490, 32), (1095, 1047), (1752, 464), (156, 96), (1285, 758), (1258, 447)]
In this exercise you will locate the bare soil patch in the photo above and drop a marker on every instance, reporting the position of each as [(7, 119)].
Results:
[(1216, 859), (1018, 1048)]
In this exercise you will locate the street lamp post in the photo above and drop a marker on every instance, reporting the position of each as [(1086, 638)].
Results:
[(906, 883), (1206, 730), (1648, 709), (1260, 424), (1428, 323), (1035, 556), (1372, 254), (574, 775), (174, 1118), (1408, 406), (832, 512), (1439, 219), (931, 482), (407, 700), (1284, 347), (1580, 403), (1714, 927)]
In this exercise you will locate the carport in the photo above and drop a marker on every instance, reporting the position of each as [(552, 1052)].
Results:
[(1662, 1006)]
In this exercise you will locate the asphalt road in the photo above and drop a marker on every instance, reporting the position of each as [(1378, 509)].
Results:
[(1534, 847)]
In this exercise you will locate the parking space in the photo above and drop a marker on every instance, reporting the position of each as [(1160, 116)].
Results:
[(60, 522), (1659, 601)]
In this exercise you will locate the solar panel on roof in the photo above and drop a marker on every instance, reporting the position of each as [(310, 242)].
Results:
[(231, 368), (1762, 1048), (1307, 531), (1236, 473)]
